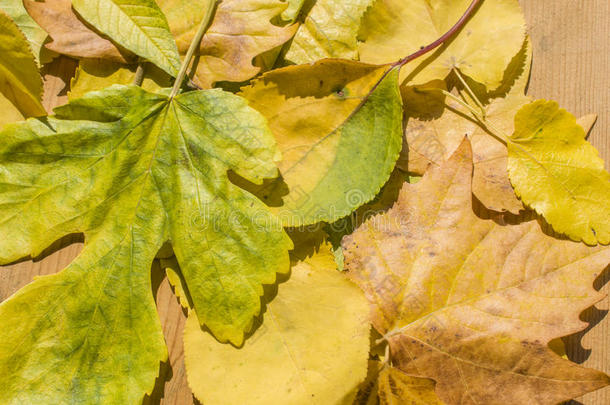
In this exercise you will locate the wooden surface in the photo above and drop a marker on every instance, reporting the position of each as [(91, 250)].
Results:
[(571, 41)]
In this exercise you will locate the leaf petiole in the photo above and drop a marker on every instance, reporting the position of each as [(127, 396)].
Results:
[(461, 102), (469, 91), (205, 24), (493, 130), (446, 36)]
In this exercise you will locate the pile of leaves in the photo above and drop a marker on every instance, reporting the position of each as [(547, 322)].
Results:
[(419, 191)]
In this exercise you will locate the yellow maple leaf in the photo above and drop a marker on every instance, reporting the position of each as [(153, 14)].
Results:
[(472, 303)]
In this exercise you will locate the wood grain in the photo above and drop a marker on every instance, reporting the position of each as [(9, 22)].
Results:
[(571, 42)]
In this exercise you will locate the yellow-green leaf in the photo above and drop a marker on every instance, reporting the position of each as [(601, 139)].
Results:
[(329, 30), (20, 81), (339, 127), (89, 334), (472, 303), (35, 35), (312, 347), (482, 49), (240, 30), (137, 25), (131, 170), (558, 173)]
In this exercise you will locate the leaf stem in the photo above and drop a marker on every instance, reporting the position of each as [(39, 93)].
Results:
[(139, 78), (469, 91), (493, 130), (458, 25), (461, 102), (205, 23)]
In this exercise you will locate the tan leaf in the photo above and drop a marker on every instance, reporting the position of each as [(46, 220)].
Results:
[(472, 303), (240, 30), (433, 136), (437, 125), (70, 36), (434, 128), (490, 183)]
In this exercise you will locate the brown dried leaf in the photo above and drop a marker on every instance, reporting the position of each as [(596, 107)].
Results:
[(437, 125), (70, 35), (472, 303), (240, 30)]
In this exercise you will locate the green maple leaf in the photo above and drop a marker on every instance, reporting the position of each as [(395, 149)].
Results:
[(131, 170)]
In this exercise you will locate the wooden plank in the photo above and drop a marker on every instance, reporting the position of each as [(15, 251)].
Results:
[(571, 41)]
